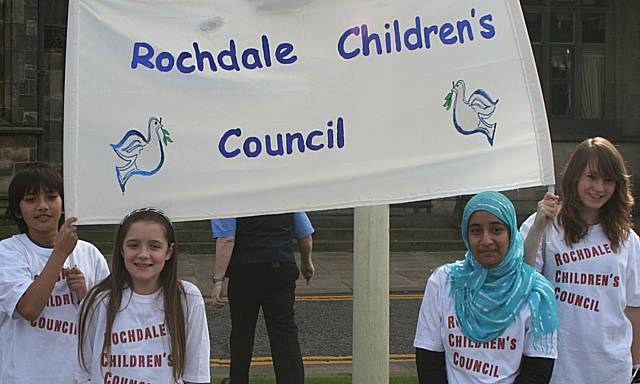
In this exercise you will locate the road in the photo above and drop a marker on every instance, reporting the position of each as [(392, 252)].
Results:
[(325, 328)]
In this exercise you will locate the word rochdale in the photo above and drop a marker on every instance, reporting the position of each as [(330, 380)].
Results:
[(228, 59)]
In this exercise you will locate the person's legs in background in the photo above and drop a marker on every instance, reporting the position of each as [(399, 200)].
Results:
[(244, 305), (277, 307)]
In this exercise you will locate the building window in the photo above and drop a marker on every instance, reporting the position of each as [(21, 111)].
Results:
[(569, 41)]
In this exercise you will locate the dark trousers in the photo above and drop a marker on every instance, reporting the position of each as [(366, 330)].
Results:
[(272, 287)]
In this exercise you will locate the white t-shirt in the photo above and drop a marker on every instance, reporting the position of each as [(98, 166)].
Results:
[(45, 350), (140, 341), (497, 361), (593, 285)]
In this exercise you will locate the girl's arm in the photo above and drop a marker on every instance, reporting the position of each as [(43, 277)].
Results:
[(633, 314), (197, 343), (538, 357), (548, 208), (430, 355), (77, 282), (535, 370), (36, 296), (431, 367)]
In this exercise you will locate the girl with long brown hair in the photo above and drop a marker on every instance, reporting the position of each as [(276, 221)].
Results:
[(155, 324), (586, 247)]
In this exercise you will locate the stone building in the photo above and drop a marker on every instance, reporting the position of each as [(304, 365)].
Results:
[(32, 53), (587, 52)]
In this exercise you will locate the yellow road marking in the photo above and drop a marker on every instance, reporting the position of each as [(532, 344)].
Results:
[(316, 360), (393, 296), (325, 360)]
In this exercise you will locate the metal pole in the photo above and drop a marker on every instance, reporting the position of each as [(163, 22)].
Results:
[(371, 295)]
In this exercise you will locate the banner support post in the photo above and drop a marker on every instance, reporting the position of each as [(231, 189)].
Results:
[(371, 295)]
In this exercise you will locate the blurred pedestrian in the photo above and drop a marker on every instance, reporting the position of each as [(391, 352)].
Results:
[(256, 253)]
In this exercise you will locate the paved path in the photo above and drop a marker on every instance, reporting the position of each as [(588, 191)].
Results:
[(324, 312), (334, 271)]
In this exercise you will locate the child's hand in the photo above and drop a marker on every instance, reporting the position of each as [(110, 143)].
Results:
[(548, 209), (76, 282), (67, 237)]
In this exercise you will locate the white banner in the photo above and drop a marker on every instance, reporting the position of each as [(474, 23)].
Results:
[(229, 108)]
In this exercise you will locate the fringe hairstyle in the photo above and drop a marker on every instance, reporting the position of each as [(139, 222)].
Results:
[(602, 157), (32, 179), (112, 287)]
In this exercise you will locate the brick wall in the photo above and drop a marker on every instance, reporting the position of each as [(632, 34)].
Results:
[(16, 150), (18, 84), (18, 53), (24, 136)]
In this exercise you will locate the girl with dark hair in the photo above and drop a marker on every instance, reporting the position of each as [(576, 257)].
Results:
[(489, 318), (586, 247), (155, 324), (44, 273)]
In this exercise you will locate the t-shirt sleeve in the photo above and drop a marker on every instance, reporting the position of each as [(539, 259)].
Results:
[(524, 231), (302, 225), (15, 276), (197, 344), (632, 283), (101, 269), (223, 227), (428, 330), (545, 346)]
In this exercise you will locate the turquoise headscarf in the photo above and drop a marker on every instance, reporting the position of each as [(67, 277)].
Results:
[(487, 300)]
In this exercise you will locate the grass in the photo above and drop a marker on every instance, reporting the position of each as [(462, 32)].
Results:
[(328, 380)]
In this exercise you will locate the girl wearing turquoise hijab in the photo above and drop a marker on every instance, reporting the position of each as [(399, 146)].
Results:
[(489, 318)]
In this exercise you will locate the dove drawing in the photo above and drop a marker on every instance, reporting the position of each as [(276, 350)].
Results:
[(143, 155), (470, 115)]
